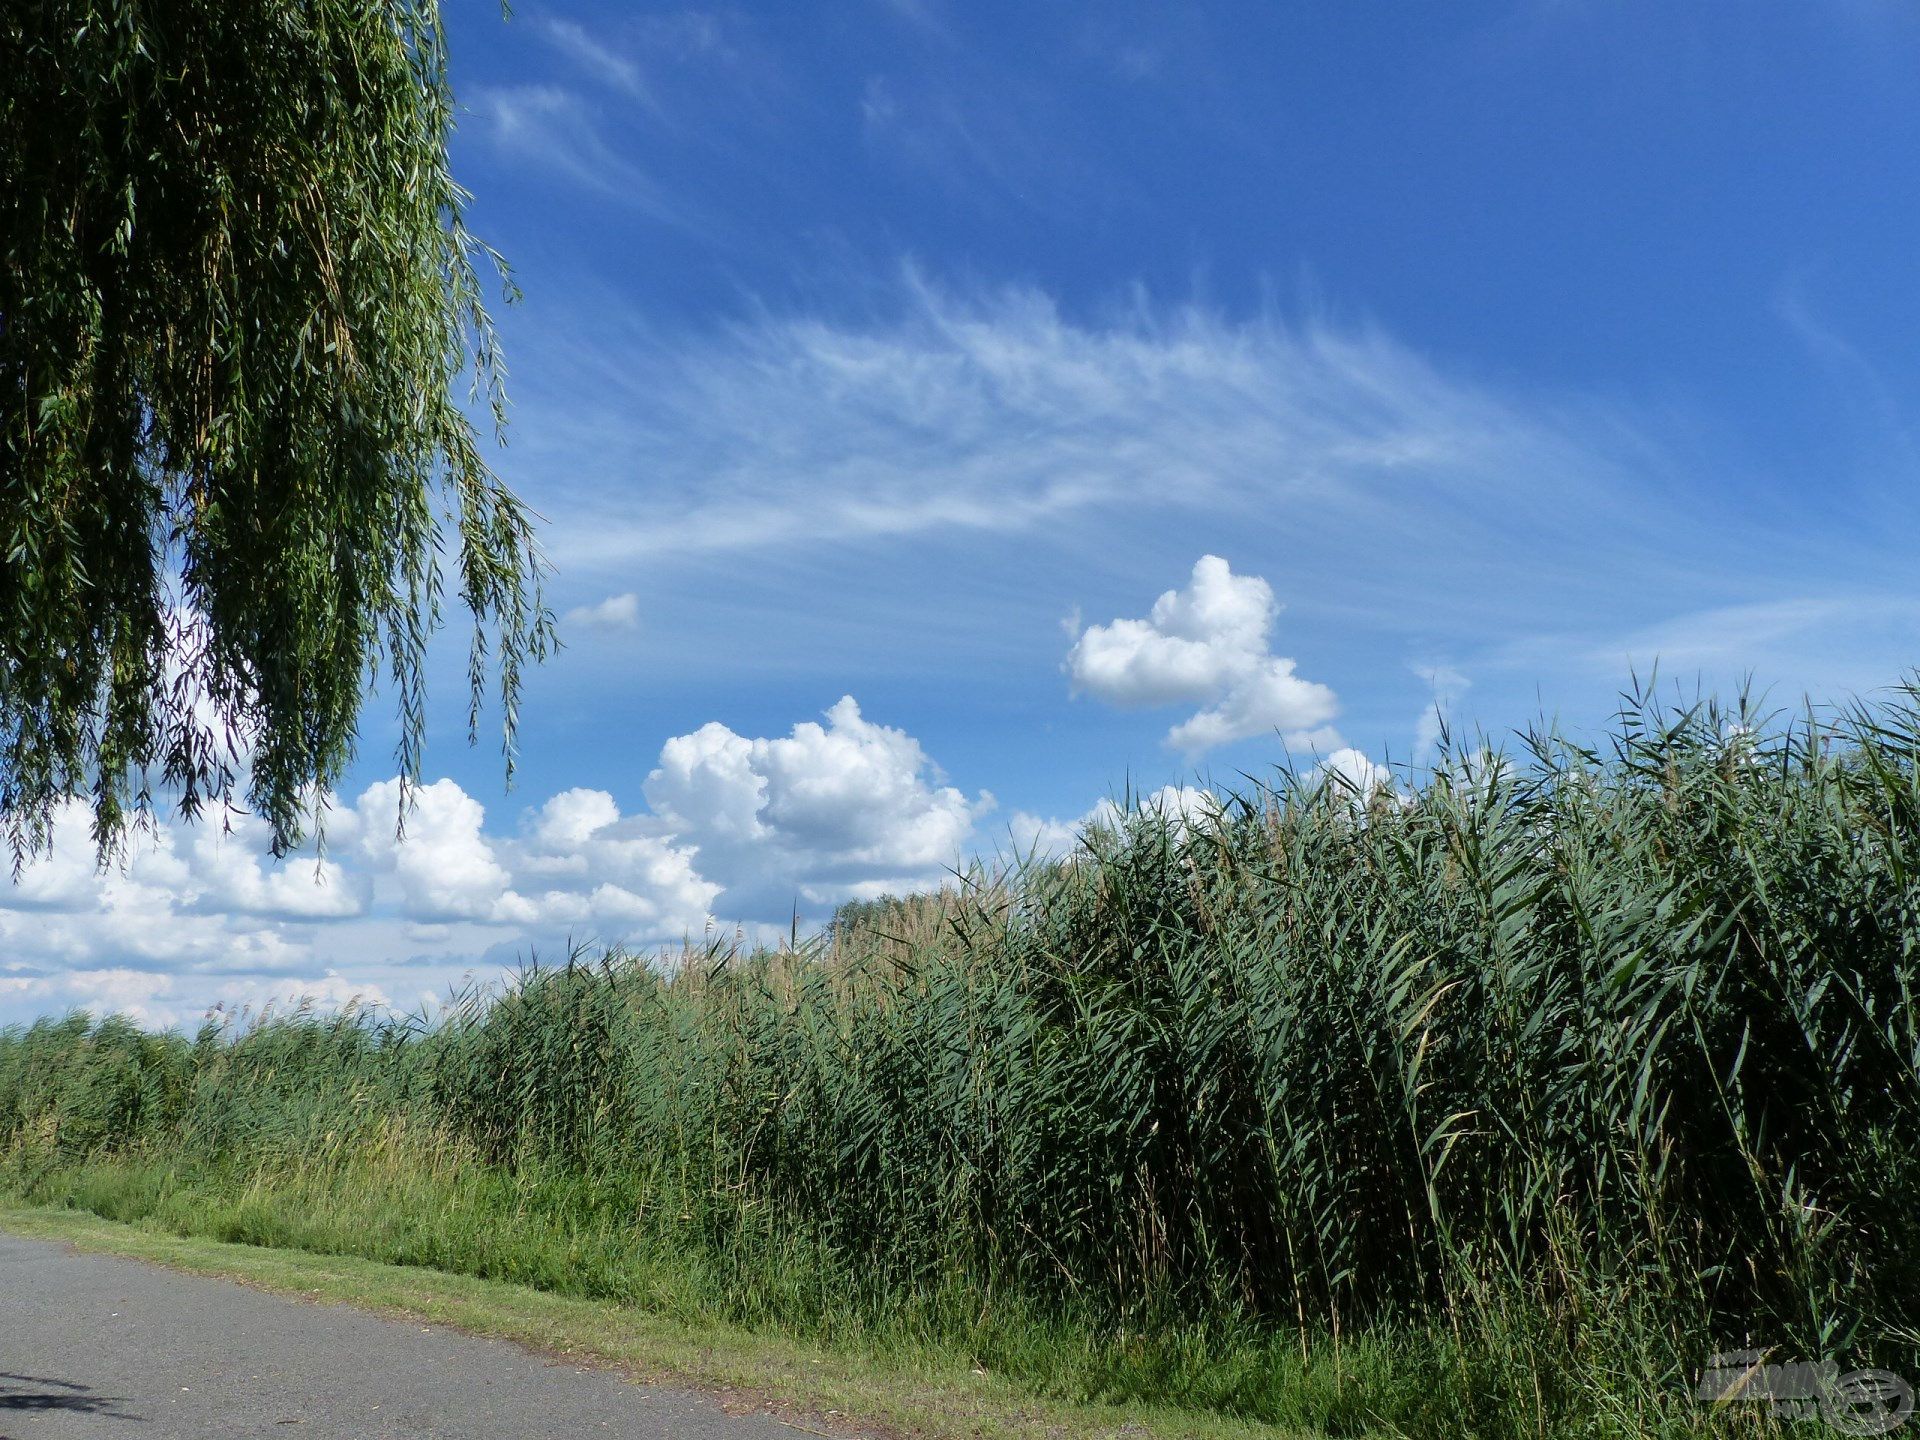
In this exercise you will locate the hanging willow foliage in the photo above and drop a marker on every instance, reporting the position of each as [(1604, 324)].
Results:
[(238, 303)]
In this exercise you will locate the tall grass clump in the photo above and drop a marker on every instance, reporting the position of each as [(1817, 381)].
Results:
[(1488, 1105)]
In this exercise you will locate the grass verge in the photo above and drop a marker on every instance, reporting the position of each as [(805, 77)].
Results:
[(813, 1387)]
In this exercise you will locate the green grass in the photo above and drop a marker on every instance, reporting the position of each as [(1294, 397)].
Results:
[(1490, 1108), (538, 1234), (818, 1386)]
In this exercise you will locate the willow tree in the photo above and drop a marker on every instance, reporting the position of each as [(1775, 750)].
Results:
[(241, 332)]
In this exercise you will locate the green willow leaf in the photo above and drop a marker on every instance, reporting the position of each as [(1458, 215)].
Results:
[(238, 306)]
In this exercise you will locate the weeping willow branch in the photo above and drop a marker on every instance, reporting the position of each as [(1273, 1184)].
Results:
[(241, 330)]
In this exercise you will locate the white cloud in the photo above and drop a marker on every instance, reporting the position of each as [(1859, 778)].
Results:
[(1209, 645), (445, 868), (1051, 839), (69, 879), (176, 899), (158, 998), (329, 991), (1047, 838), (997, 412), (198, 916), (594, 56), (1726, 637), (558, 133), (236, 874), (140, 995), (1355, 774), (845, 808), (1043, 837), (572, 818), (1193, 644), (616, 612), (1039, 451), (587, 869)]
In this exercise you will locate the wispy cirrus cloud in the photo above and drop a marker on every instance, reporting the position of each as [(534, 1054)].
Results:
[(1849, 633), (997, 412), (555, 130), (921, 14), (594, 55)]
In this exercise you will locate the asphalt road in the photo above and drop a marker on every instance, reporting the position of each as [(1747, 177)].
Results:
[(106, 1348)]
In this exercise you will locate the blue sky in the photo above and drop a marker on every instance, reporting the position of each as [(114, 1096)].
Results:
[(912, 352)]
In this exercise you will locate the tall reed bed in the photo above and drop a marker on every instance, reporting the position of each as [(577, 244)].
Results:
[(1579, 1061)]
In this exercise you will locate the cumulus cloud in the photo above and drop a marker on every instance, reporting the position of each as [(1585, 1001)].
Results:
[(616, 612), (735, 827), (1052, 839), (1209, 644), (235, 873), (140, 995), (570, 819), (176, 898), (844, 808), (586, 868), (1355, 774), (444, 867), (159, 998)]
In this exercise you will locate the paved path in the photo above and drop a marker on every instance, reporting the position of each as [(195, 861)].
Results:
[(105, 1348)]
